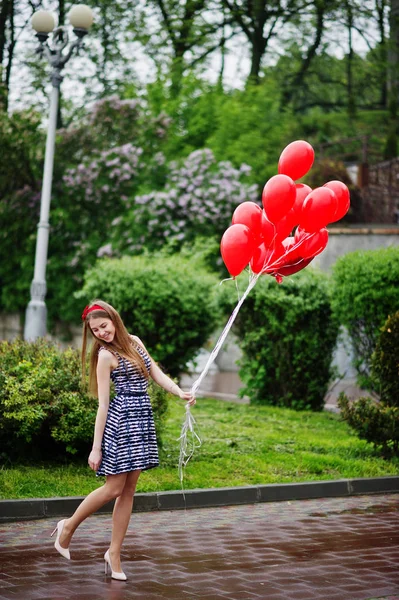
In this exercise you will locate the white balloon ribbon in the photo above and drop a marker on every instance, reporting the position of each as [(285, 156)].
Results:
[(189, 439)]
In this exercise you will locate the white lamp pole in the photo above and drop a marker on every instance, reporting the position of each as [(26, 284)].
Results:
[(81, 18)]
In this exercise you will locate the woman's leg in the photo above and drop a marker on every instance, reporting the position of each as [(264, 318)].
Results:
[(121, 517), (112, 488)]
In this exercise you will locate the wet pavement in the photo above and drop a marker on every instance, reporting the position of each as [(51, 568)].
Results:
[(325, 549)]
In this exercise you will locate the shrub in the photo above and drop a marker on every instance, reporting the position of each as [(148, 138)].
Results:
[(385, 362), (378, 422), (287, 337), (374, 422), (168, 301), (43, 409), (365, 292)]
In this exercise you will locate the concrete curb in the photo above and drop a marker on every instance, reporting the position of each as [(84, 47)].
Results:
[(39, 508)]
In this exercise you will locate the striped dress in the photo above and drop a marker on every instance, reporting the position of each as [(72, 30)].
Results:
[(129, 440)]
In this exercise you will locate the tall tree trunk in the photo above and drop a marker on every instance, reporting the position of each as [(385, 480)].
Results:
[(258, 50), (380, 6), (393, 52), (298, 79), (260, 15), (6, 7), (105, 44), (222, 52), (176, 75), (391, 148), (11, 48), (61, 23), (349, 63)]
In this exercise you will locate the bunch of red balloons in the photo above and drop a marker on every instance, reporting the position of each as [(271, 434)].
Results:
[(263, 239)]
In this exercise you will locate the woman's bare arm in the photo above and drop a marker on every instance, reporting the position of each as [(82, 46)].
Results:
[(163, 380), (104, 367)]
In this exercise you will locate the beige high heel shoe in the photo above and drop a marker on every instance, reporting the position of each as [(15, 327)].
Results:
[(63, 551), (114, 574)]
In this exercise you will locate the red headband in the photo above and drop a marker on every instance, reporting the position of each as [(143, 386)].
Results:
[(89, 309)]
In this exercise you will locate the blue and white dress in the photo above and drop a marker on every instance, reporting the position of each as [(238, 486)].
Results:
[(129, 440)]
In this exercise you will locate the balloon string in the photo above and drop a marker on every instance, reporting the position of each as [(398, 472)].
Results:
[(227, 279), (238, 291), (189, 439), (279, 261)]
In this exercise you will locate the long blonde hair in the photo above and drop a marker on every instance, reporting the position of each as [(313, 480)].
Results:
[(122, 344)]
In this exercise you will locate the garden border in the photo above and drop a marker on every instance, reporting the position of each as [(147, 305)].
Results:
[(40, 508)]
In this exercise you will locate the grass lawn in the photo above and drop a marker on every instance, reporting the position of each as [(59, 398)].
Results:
[(241, 445)]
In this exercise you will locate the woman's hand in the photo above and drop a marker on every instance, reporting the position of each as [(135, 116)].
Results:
[(188, 397), (95, 459)]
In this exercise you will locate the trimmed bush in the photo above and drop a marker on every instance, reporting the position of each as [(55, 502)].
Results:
[(374, 422), (385, 362), (43, 409), (378, 422), (287, 335), (365, 292), (168, 301)]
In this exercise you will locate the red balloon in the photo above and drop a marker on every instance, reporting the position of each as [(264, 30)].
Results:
[(290, 255), (288, 243), (237, 247), (318, 209), (299, 234), (302, 190), (296, 159), (265, 256), (278, 197), (286, 224), (343, 198), (311, 244), (249, 214), (268, 230), (294, 267)]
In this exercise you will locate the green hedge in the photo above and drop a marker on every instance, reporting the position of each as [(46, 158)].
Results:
[(287, 335), (365, 292), (378, 422), (43, 409), (168, 301)]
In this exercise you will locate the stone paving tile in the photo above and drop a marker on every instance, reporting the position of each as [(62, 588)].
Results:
[(324, 549)]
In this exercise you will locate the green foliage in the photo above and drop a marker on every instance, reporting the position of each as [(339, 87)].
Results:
[(365, 292), (114, 174), (342, 133), (374, 422), (241, 126), (326, 85), (378, 422), (43, 409), (385, 362), (252, 129), (165, 300), (40, 390), (287, 335), (22, 144)]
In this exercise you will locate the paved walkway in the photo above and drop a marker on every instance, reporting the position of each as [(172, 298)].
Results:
[(328, 549)]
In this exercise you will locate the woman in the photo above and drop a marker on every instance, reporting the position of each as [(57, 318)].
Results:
[(124, 434)]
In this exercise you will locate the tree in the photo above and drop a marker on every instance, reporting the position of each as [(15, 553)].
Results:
[(297, 80), (191, 30), (259, 20), (391, 150)]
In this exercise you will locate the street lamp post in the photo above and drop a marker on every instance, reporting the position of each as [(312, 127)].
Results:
[(81, 18)]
